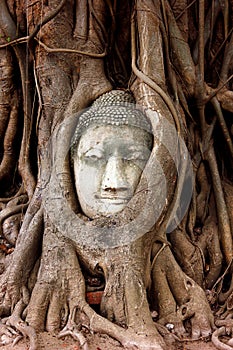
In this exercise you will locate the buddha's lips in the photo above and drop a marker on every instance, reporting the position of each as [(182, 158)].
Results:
[(113, 198)]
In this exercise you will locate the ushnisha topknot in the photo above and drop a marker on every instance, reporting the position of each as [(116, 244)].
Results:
[(116, 107)]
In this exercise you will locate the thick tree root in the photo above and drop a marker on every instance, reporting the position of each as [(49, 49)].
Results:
[(222, 214), (89, 87), (209, 243), (127, 337), (187, 254), (179, 298), (15, 322), (22, 260), (73, 330)]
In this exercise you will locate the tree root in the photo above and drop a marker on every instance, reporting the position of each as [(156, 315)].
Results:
[(227, 60), (9, 211), (222, 214), (215, 339), (223, 125), (209, 243), (8, 335), (8, 199), (225, 97), (127, 337), (152, 84), (25, 170), (181, 56), (208, 28), (11, 227), (46, 19), (9, 116), (60, 282), (74, 330), (187, 254), (8, 162), (19, 325), (66, 50), (203, 195), (179, 298), (22, 261), (89, 87)]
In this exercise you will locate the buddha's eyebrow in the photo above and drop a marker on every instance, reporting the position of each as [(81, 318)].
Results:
[(137, 147)]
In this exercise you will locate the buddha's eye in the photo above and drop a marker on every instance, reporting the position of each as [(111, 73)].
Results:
[(136, 156), (93, 155)]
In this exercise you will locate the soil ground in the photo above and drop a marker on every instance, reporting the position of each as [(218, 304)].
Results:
[(96, 342)]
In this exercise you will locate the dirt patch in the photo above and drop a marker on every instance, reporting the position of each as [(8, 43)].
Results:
[(48, 341)]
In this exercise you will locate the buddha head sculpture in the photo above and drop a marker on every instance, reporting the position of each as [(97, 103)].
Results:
[(110, 148)]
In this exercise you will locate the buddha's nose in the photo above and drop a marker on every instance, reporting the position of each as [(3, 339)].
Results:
[(114, 179)]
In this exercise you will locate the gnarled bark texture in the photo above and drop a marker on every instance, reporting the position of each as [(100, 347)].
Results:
[(174, 278)]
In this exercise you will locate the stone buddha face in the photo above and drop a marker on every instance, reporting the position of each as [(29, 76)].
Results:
[(107, 163), (111, 145)]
